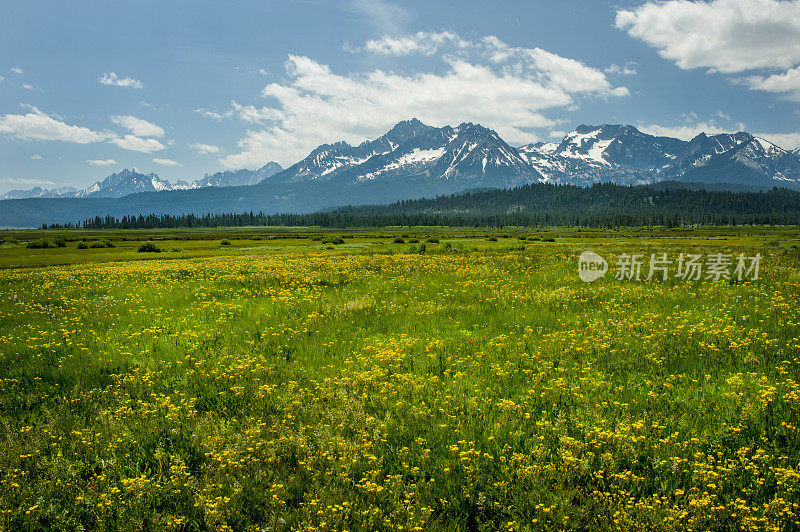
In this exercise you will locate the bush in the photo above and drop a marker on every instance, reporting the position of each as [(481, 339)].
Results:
[(225, 242), (399, 240), (82, 245), (40, 244), (432, 240), (549, 239), (149, 247), (492, 239), (97, 245), (414, 241), (60, 242), (335, 240)]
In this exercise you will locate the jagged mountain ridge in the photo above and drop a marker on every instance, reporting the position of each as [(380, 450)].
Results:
[(625, 155), (466, 155), (415, 160)]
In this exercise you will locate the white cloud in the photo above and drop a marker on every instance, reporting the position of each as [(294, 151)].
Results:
[(214, 115), (167, 162), (36, 157), (205, 149), (250, 113), (690, 128), (557, 134), (423, 43), (17, 70), (36, 125), (787, 83), (2, 78), (137, 126), (112, 79), (787, 141), (27, 86), (728, 36), (101, 162), (490, 83), (134, 143), (616, 70)]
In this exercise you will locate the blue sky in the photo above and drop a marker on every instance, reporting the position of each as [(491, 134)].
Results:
[(185, 88)]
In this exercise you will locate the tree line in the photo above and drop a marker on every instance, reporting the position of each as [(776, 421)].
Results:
[(600, 205)]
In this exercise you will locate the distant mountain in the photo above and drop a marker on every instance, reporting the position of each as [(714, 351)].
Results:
[(132, 181), (39, 192), (414, 160), (237, 178), (466, 156)]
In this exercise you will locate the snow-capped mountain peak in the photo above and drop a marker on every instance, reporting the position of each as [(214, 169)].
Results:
[(468, 153)]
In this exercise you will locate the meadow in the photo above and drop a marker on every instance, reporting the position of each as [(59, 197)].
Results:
[(397, 379)]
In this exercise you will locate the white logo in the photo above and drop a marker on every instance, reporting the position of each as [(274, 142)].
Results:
[(591, 266)]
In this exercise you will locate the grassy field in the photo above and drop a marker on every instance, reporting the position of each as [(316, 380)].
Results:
[(398, 379)]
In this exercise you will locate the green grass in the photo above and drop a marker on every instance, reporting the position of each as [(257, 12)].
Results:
[(274, 383)]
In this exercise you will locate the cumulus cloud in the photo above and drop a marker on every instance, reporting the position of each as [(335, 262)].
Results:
[(36, 125), (728, 36), (27, 86), (111, 78), (36, 157), (166, 162), (787, 83), (17, 70), (205, 149), (138, 126), (503, 87), (134, 143), (101, 162)]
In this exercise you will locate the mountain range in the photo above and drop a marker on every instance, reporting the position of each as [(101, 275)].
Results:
[(414, 160), (133, 181)]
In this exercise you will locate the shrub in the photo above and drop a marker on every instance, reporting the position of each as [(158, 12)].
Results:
[(399, 240), (414, 241), (60, 242), (82, 245), (225, 242), (40, 244), (335, 240), (149, 247), (549, 239), (492, 239), (97, 245), (432, 240)]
